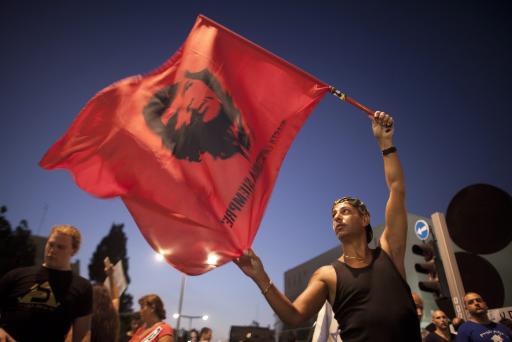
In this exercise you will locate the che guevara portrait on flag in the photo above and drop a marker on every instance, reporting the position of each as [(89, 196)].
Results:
[(195, 116)]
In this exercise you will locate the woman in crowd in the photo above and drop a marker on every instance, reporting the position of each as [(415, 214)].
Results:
[(193, 336), (105, 318), (152, 314), (105, 310), (205, 335)]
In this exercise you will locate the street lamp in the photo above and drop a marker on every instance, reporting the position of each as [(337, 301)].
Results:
[(190, 318), (212, 260), (160, 257)]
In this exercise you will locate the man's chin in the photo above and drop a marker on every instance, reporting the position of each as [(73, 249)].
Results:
[(346, 235), (481, 311), (49, 263)]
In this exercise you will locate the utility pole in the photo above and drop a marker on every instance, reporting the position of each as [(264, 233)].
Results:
[(43, 217), (183, 278)]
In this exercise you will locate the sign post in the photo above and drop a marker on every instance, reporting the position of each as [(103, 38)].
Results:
[(445, 247)]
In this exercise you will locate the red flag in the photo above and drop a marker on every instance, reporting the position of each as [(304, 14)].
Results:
[(193, 148)]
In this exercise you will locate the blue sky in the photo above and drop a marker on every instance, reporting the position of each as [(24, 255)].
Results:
[(442, 69)]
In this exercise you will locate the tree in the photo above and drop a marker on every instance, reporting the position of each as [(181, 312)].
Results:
[(114, 246), (16, 247)]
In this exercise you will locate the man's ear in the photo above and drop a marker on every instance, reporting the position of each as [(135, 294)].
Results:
[(366, 220)]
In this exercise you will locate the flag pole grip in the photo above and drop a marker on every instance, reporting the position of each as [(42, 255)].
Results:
[(353, 102)]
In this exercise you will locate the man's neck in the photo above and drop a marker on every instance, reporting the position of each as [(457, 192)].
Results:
[(445, 333), (480, 319), (355, 248), (356, 253), (57, 268)]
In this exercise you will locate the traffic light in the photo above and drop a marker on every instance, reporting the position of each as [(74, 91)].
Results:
[(436, 282), (428, 267)]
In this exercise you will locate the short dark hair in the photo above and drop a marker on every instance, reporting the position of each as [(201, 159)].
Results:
[(189, 333), (361, 208)]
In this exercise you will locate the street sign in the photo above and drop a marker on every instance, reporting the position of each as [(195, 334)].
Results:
[(497, 315), (422, 229)]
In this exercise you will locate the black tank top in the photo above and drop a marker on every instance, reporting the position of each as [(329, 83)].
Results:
[(374, 303)]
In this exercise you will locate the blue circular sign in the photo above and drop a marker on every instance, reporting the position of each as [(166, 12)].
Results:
[(422, 229)]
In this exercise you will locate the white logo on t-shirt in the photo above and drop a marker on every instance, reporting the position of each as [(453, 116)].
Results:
[(496, 338)]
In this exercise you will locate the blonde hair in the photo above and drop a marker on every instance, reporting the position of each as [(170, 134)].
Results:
[(73, 232)]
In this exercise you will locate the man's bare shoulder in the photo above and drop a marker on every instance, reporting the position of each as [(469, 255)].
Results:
[(325, 273)]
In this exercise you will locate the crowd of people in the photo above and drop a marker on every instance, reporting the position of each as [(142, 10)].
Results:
[(49, 302), (366, 287), (478, 327)]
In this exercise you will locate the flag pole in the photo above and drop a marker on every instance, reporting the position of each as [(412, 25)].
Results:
[(344, 97), (353, 102)]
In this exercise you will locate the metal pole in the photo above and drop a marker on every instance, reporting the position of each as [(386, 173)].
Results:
[(183, 277), (445, 247), (43, 217)]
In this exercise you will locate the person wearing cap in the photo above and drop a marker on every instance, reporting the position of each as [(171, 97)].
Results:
[(366, 287)]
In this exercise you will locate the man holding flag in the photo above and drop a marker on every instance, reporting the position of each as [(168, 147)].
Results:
[(194, 148), (366, 287)]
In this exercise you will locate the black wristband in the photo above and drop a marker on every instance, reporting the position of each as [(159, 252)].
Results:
[(389, 150)]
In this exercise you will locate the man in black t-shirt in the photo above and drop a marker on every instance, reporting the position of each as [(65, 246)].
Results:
[(442, 332), (41, 303)]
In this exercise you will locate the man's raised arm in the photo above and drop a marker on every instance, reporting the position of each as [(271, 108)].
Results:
[(394, 237)]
